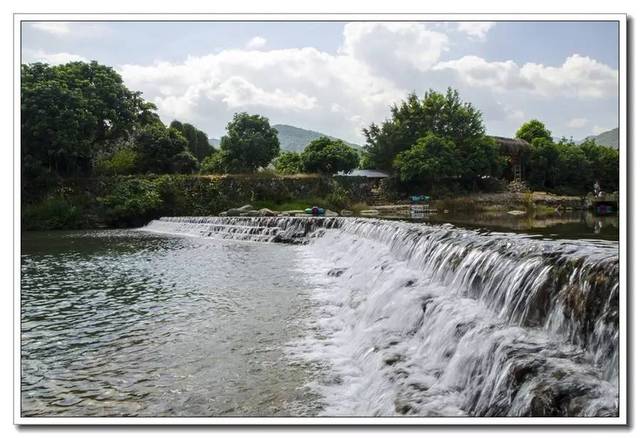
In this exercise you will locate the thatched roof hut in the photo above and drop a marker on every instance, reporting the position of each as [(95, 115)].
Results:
[(512, 146)]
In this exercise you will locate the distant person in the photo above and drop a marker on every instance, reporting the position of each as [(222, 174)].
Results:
[(596, 188)]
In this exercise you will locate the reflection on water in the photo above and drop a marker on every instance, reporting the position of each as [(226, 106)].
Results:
[(566, 225), (124, 323)]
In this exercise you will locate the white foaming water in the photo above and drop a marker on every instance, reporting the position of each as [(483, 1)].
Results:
[(434, 320)]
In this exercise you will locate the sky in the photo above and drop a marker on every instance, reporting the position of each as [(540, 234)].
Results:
[(339, 77)]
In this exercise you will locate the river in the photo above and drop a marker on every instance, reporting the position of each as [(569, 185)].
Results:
[(212, 317)]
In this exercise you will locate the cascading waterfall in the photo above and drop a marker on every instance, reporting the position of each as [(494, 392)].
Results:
[(436, 320)]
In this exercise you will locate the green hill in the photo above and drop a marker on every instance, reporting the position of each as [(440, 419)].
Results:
[(293, 139), (296, 139), (609, 138)]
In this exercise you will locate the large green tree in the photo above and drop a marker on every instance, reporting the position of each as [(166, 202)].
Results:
[(163, 150), (70, 113), (444, 115), (533, 129), (430, 159), (328, 156), (250, 143), (197, 141)]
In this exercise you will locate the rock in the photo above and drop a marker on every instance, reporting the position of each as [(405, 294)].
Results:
[(223, 214), (369, 213), (267, 212), (516, 212), (346, 212), (252, 213), (294, 212), (234, 212), (303, 214), (247, 207), (330, 213)]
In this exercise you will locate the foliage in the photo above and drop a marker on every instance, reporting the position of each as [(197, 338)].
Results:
[(197, 141), (53, 213), (288, 163), (121, 162), (444, 115), (71, 112), (160, 149), (532, 130), (605, 164), (431, 158), (131, 202), (184, 162), (250, 143), (328, 156)]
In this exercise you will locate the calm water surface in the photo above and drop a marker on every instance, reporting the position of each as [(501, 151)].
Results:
[(129, 323)]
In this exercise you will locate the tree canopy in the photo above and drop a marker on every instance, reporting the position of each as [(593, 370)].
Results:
[(328, 156), (70, 112), (288, 163), (444, 115), (532, 130), (250, 143), (197, 141)]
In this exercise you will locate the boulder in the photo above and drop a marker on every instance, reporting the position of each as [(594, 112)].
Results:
[(252, 213), (294, 212), (370, 213), (247, 207), (346, 212), (330, 213), (516, 212), (267, 212), (223, 214), (234, 212)]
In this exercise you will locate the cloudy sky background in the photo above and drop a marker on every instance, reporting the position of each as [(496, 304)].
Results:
[(338, 77)]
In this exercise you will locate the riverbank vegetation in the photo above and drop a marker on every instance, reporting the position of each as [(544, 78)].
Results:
[(96, 153)]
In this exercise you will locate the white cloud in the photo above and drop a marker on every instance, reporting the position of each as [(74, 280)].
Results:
[(256, 43), (52, 58), (475, 29), (596, 130), (578, 76), (376, 65), (577, 122), (52, 27), (383, 45)]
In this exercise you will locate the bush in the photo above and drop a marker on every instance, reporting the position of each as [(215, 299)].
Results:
[(54, 213), (132, 202)]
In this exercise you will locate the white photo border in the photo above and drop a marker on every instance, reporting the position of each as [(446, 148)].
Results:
[(623, 387)]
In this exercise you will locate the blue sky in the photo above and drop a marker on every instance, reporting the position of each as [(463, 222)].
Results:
[(338, 77)]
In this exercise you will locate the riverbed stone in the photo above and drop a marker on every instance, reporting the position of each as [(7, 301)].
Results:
[(346, 212), (267, 212), (330, 213), (371, 212), (516, 212), (246, 207)]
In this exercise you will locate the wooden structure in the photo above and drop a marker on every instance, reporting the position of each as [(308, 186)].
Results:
[(515, 149)]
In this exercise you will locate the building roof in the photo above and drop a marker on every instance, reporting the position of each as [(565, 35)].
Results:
[(368, 173), (512, 146)]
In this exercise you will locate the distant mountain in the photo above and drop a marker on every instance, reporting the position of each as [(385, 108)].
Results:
[(608, 138), (293, 139)]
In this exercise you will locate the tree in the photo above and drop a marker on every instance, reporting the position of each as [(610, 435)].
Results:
[(533, 129), (430, 159), (197, 141), (70, 113), (184, 162), (288, 163), (328, 156), (444, 115), (159, 148), (605, 164), (250, 143)]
